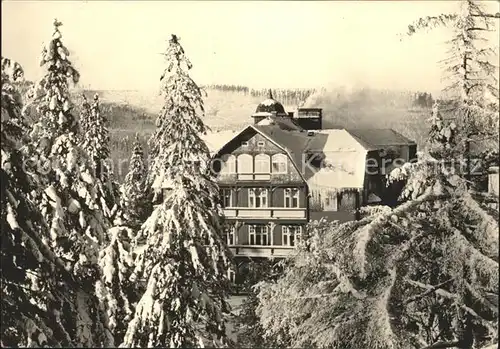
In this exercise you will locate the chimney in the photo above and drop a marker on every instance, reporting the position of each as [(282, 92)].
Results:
[(310, 118)]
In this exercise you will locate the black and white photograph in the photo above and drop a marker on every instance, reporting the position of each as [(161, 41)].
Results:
[(250, 174)]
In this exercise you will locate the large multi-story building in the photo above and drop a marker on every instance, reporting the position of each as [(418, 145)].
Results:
[(278, 173)]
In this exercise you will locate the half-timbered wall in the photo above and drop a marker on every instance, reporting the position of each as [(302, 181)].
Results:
[(256, 158)]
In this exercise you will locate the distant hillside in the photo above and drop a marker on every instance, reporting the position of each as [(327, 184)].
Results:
[(231, 109), (224, 109)]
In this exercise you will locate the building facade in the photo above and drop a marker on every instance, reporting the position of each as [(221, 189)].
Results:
[(264, 196), (284, 169)]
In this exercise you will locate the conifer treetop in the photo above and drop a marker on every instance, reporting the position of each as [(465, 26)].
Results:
[(96, 136), (12, 122), (51, 93), (179, 119), (470, 68)]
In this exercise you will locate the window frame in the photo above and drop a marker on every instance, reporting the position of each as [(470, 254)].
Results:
[(282, 161), (230, 236), (291, 235), (223, 196), (258, 232), (261, 197), (290, 195), (247, 160), (228, 164), (260, 159)]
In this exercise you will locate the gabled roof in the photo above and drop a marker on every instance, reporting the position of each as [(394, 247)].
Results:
[(285, 123), (280, 138), (294, 142), (337, 140), (380, 137), (343, 150), (216, 140)]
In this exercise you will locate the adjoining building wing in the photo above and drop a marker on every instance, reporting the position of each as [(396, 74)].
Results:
[(380, 137), (393, 148), (341, 170)]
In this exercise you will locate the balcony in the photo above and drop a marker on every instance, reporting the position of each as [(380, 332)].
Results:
[(261, 251), (265, 213), (254, 176)]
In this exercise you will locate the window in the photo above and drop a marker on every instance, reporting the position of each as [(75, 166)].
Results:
[(291, 197), (226, 196), (257, 198), (229, 235), (245, 163), (228, 164), (244, 144), (260, 143), (291, 234), (262, 163), (279, 163), (259, 235), (330, 203)]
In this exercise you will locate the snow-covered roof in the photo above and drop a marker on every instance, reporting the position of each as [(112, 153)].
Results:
[(345, 170), (268, 102), (216, 140), (335, 140), (380, 137), (270, 105), (266, 121), (344, 160), (262, 113)]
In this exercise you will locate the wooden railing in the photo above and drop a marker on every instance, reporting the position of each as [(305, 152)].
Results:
[(266, 251), (265, 212), (252, 176)]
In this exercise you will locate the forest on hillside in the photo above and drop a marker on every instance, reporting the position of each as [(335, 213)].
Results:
[(92, 260)]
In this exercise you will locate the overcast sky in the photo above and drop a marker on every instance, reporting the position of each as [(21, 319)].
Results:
[(116, 45)]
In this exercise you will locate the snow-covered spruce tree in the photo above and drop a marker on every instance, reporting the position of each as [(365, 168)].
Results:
[(117, 260), (421, 275), (250, 333), (68, 200), (135, 203), (34, 281), (95, 141), (118, 294), (471, 69), (184, 262)]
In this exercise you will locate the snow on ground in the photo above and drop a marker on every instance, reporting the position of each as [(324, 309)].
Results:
[(235, 302)]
